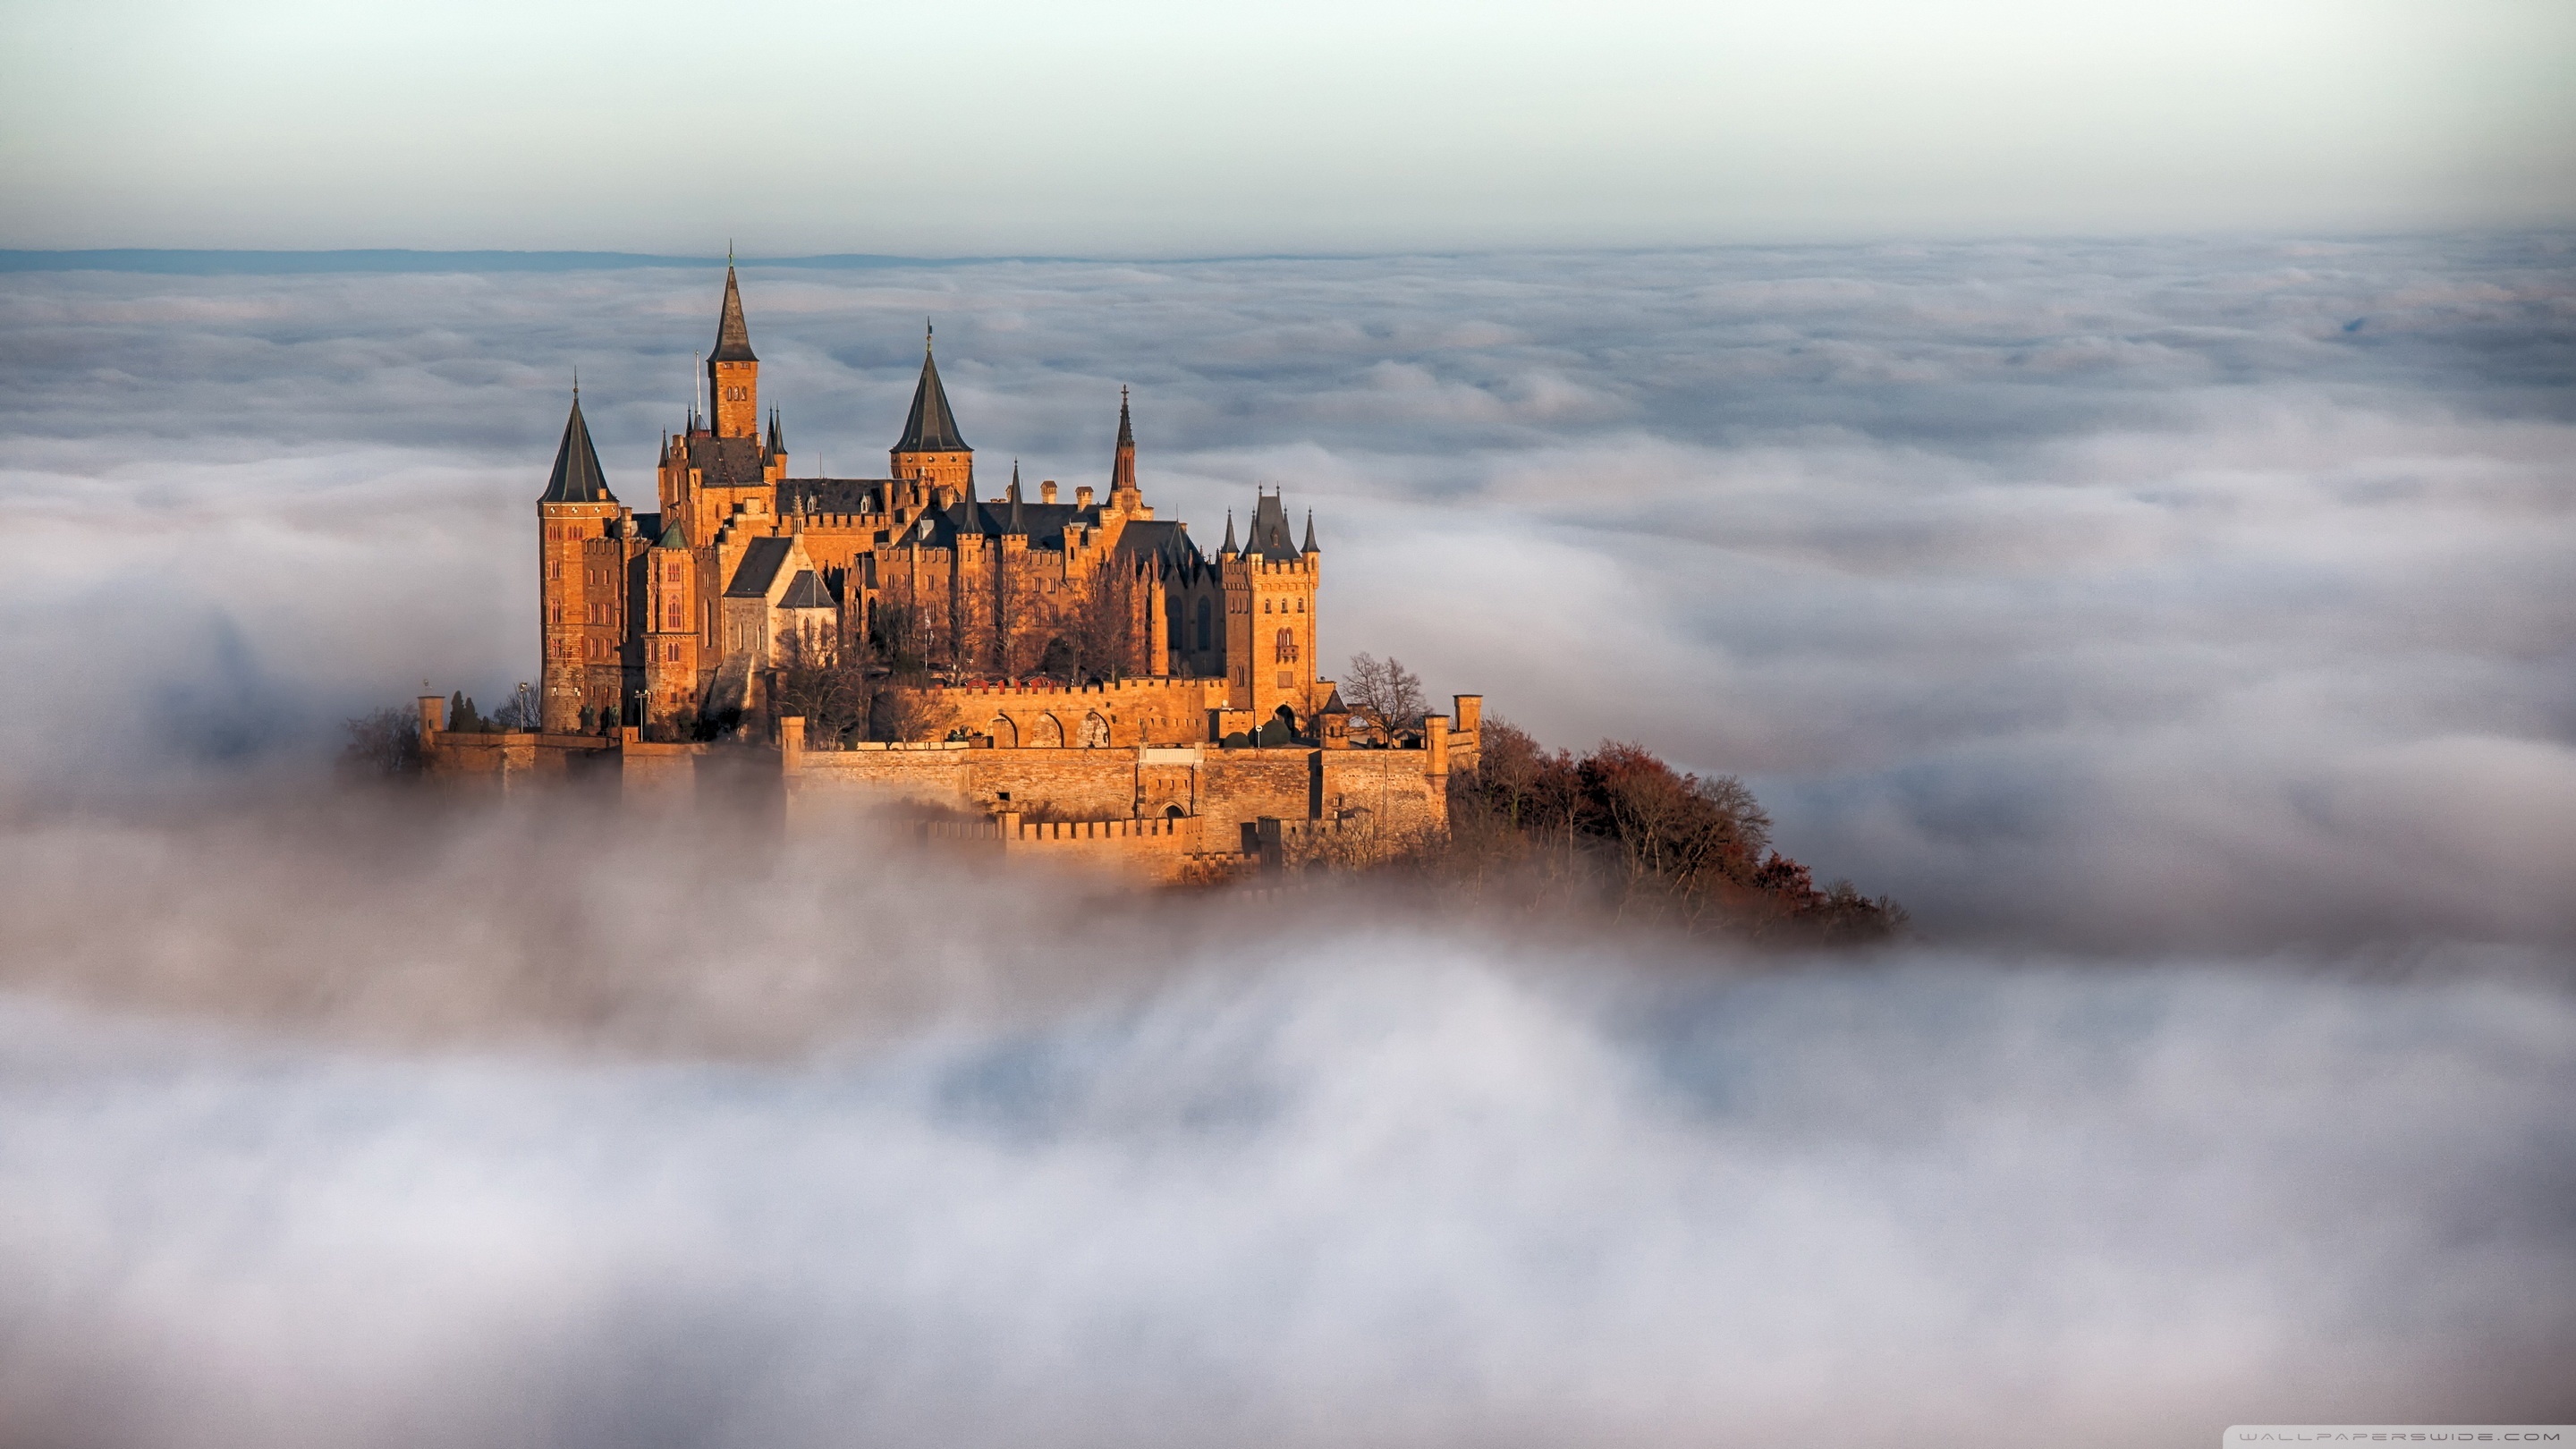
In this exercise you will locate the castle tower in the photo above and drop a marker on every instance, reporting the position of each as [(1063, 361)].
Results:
[(733, 373), (580, 602), (932, 452), (670, 633), (1270, 613)]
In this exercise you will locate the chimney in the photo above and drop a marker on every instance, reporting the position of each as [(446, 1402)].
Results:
[(1082, 496), (1046, 491)]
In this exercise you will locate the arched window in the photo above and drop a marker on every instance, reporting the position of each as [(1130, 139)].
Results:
[(1204, 612), (1287, 646)]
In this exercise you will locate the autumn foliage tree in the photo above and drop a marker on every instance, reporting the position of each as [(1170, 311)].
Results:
[(1622, 829)]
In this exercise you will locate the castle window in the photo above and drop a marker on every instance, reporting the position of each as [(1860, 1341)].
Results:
[(1301, 606), (1265, 606), (1287, 646)]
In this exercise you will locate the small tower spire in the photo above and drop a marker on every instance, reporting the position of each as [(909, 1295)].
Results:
[(577, 476), (1229, 548), (1310, 533), (733, 369), (1122, 463)]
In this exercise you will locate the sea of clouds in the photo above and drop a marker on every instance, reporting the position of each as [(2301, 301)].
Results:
[(2181, 630)]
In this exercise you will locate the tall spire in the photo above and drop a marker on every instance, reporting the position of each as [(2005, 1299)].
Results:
[(733, 338), (577, 477), (930, 427), (777, 442), (1310, 533), (1018, 524), (1229, 535), (1122, 464)]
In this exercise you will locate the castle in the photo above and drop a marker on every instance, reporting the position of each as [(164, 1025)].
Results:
[(670, 620), (1084, 662)]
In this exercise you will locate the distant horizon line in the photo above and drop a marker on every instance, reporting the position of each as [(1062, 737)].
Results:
[(215, 261)]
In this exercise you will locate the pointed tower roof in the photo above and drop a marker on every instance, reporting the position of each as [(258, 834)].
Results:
[(1269, 536), (777, 442), (733, 339), (1122, 464), (1229, 534), (673, 537), (577, 476), (1310, 533), (1019, 522), (931, 427)]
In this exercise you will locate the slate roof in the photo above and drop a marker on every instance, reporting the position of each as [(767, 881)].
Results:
[(806, 591), (577, 477), (931, 427), (832, 495), (673, 537), (759, 568), (733, 339), (725, 462), (1269, 537), (1160, 537)]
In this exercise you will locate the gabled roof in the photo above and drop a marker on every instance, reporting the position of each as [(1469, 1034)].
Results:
[(806, 591), (733, 339), (832, 495), (1269, 537), (759, 568), (931, 427), (674, 536), (1160, 537), (577, 477)]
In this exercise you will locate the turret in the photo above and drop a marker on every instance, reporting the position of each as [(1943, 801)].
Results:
[(931, 450), (1270, 613), (733, 372), (670, 636), (580, 606)]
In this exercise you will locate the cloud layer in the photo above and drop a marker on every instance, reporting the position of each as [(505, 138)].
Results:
[(487, 1142), (2179, 593)]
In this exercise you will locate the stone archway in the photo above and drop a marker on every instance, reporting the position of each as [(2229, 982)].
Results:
[(1047, 733), (1095, 731), (1006, 735)]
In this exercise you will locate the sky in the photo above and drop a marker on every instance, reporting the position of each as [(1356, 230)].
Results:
[(1147, 128)]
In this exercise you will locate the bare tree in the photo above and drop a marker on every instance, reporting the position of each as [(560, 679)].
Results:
[(1384, 693), (521, 710), (898, 714), (830, 690), (1099, 623), (386, 742)]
